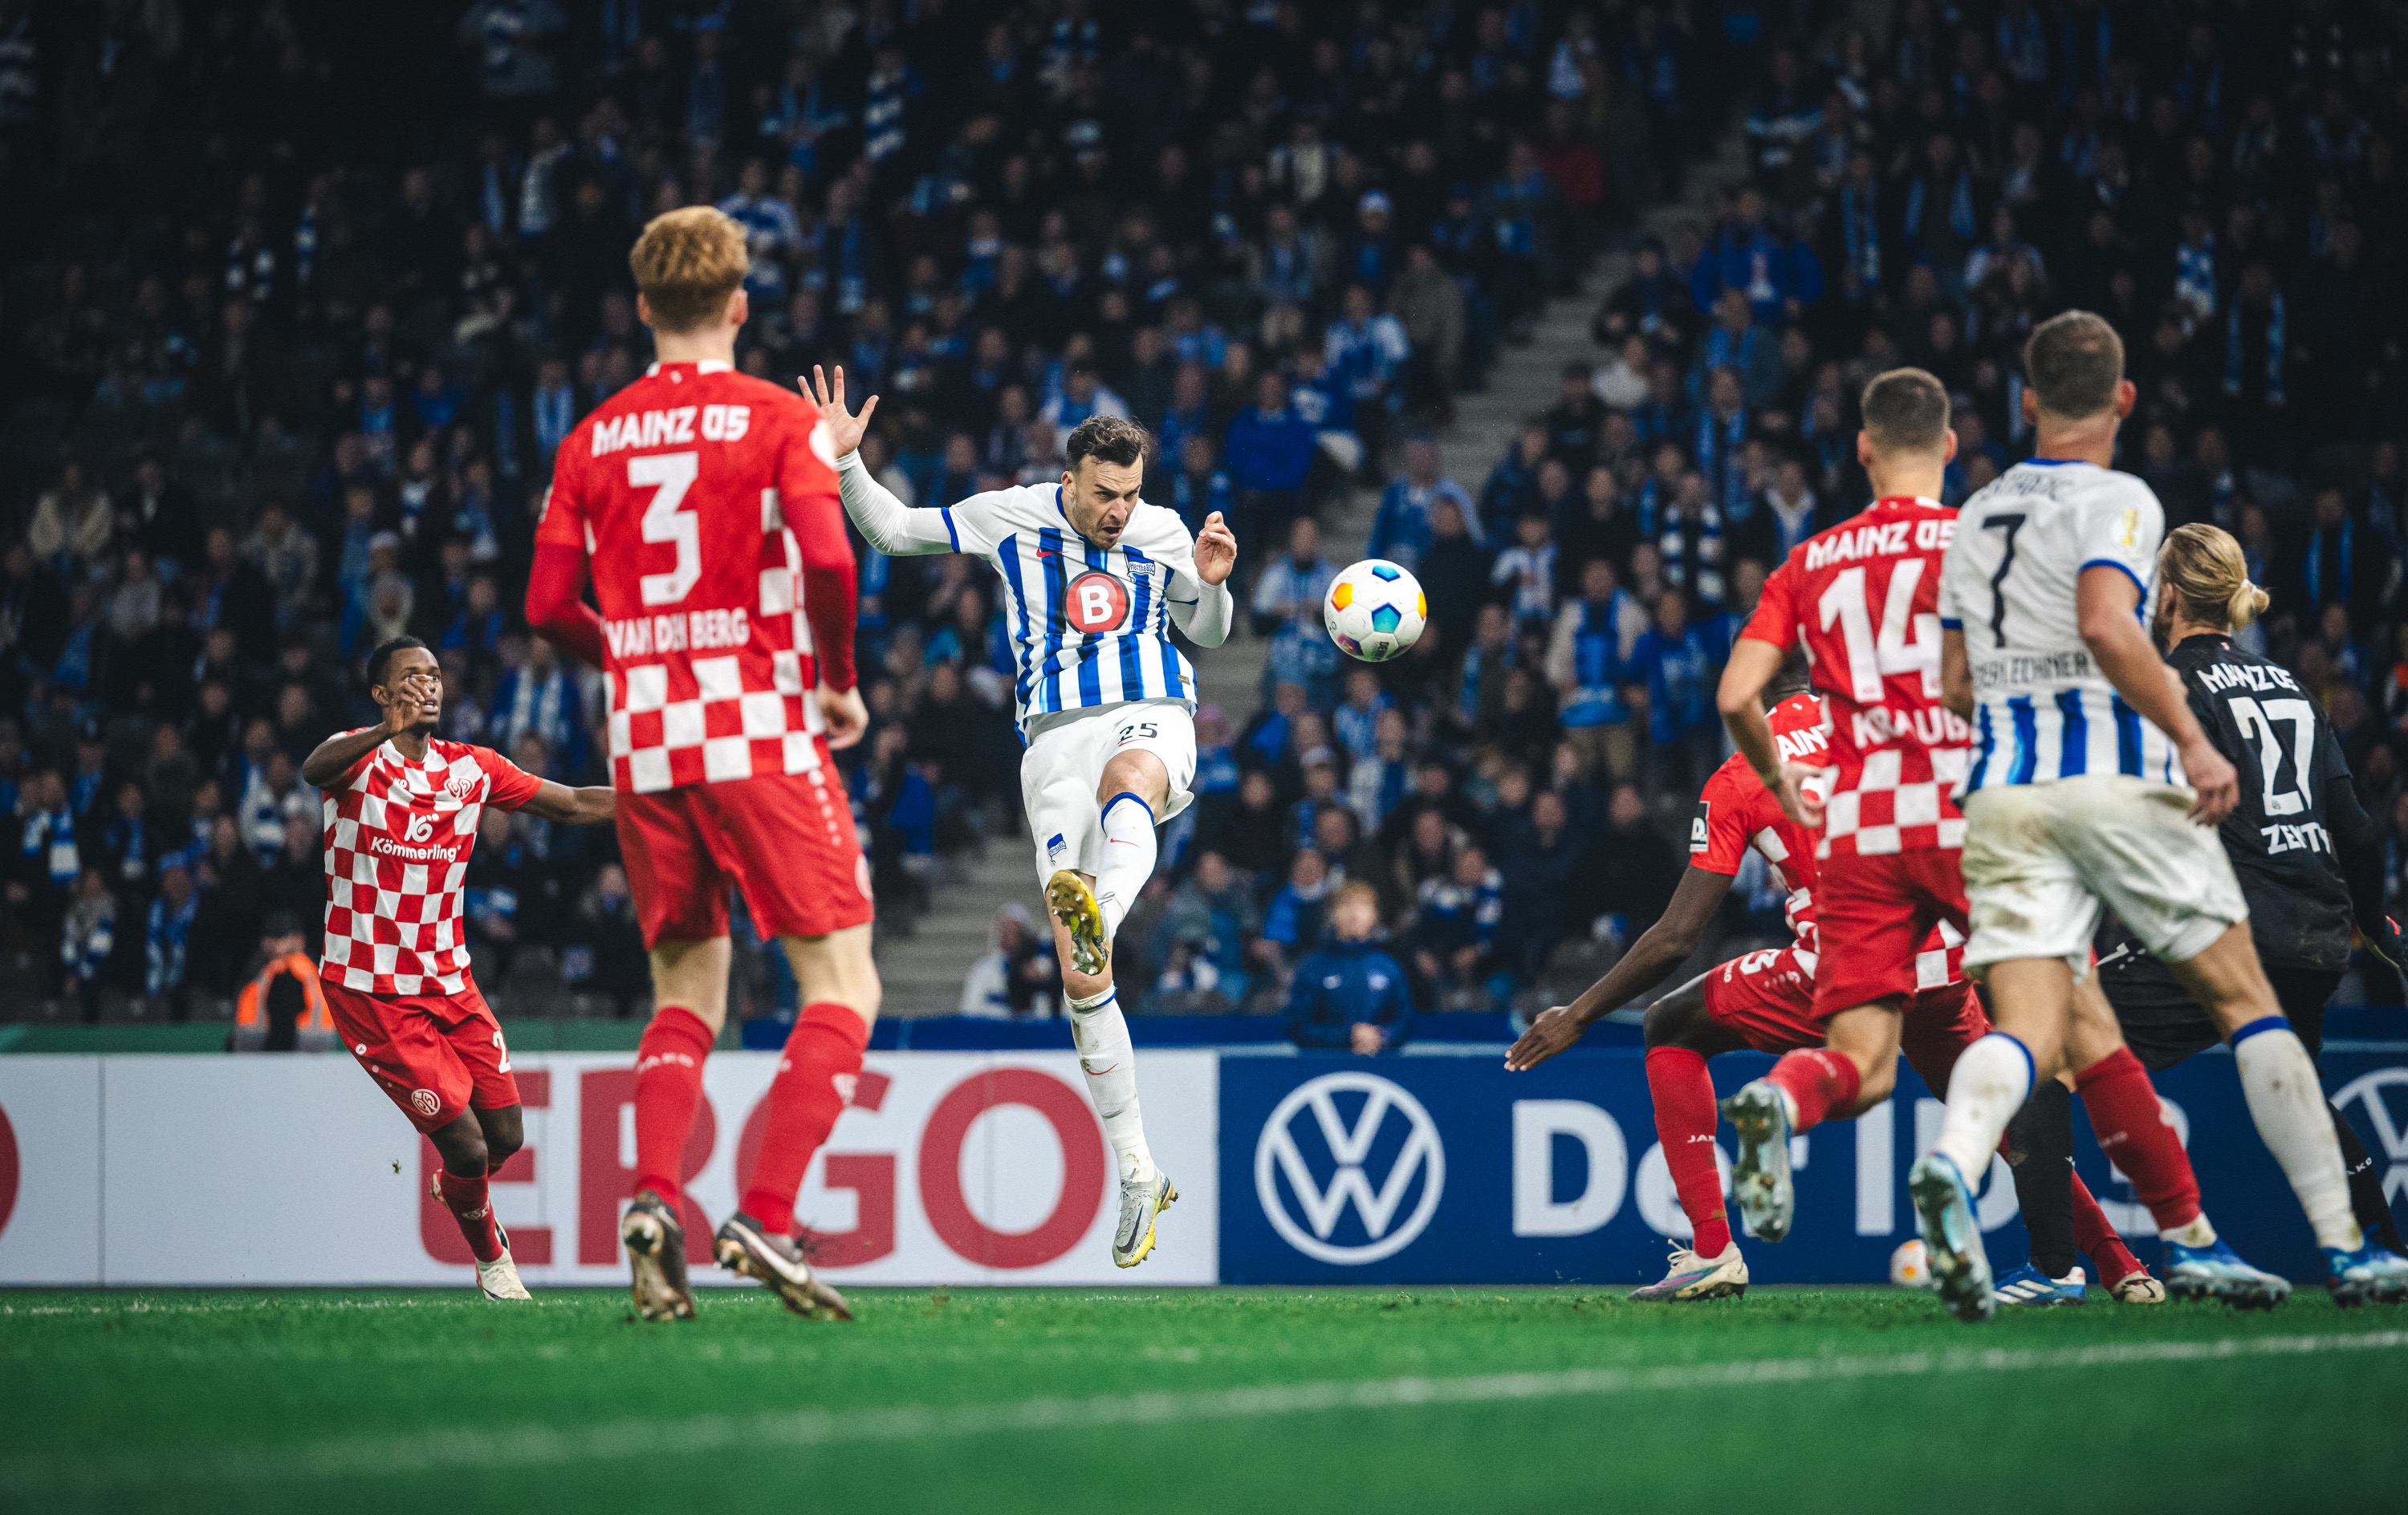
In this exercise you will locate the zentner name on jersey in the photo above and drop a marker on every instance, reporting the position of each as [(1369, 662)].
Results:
[(2043, 711), (1089, 625)]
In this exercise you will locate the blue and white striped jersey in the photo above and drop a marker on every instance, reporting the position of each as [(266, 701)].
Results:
[(1089, 625), (2044, 709)]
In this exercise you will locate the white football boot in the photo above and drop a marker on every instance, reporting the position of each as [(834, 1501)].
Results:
[(1691, 1276), (1142, 1201), (499, 1278)]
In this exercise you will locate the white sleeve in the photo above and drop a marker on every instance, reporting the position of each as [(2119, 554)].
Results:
[(886, 523), (1206, 612), (2121, 527)]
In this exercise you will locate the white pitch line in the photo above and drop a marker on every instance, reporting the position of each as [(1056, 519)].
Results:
[(532, 1446)]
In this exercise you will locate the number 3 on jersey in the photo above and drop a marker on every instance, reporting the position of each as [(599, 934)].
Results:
[(669, 475), (1870, 659)]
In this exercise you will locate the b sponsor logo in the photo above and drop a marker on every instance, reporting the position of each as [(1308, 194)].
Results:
[(1095, 602), (421, 827), (1283, 1171)]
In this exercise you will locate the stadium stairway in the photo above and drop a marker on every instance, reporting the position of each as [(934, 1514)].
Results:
[(923, 970)]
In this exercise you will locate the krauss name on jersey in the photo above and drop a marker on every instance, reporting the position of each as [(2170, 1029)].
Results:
[(668, 427), (1886, 539), (1933, 725), (639, 636)]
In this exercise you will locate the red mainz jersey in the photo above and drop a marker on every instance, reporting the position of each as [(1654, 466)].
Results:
[(398, 835), (1864, 600), (1735, 812), (706, 500)]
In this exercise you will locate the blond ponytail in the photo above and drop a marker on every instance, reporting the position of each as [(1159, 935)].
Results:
[(2205, 565)]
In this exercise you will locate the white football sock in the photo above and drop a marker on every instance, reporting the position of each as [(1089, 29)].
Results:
[(1129, 857), (1992, 1080), (2288, 1104), (1100, 1032)]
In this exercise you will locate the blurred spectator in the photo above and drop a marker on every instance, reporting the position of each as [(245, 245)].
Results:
[(1455, 918), (1018, 978), (1347, 993)]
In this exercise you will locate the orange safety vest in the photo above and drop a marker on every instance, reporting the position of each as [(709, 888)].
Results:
[(249, 1014)]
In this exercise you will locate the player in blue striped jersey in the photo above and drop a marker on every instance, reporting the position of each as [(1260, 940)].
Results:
[(1093, 578), (2093, 784)]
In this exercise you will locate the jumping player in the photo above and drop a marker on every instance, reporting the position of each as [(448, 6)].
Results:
[(703, 505), (1765, 1000), (401, 813), (1092, 579), (2094, 785)]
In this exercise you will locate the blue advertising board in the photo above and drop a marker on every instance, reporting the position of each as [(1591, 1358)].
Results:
[(1450, 1170)]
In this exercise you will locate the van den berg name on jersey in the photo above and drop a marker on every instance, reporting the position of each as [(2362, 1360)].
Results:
[(689, 631)]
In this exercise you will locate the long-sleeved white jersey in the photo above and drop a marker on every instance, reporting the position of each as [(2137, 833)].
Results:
[(1089, 625)]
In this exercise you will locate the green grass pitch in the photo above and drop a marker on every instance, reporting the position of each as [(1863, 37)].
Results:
[(1060, 1400)]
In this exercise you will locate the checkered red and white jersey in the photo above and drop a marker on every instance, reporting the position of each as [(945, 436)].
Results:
[(398, 835), (685, 492), (1863, 599), (1736, 812)]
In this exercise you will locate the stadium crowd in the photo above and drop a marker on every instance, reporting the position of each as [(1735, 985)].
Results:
[(298, 309)]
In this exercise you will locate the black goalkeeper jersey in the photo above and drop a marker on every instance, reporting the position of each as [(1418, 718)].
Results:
[(2281, 835)]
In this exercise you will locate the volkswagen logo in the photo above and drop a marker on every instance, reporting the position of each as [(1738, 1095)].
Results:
[(1349, 1149), (2390, 1130)]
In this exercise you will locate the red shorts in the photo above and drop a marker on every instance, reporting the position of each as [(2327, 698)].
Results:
[(1872, 915), (786, 839), (434, 1055), (1767, 1000)]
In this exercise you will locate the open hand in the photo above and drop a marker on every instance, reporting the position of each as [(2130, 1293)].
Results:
[(1552, 1030), (845, 430), (1216, 551)]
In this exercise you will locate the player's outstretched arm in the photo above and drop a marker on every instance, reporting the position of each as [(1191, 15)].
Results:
[(593, 805), (333, 758), (1752, 665), (2105, 597), (1203, 606), (885, 522), (1659, 950)]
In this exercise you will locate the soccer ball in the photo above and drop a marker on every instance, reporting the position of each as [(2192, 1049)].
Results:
[(1374, 610), (1910, 1266)]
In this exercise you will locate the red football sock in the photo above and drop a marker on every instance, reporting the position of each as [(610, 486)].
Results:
[(1819, 1080), (815, 1079), (1684, 1096), (470, 1206), (2133, 1133), (668, 1087), (2097, 1239)]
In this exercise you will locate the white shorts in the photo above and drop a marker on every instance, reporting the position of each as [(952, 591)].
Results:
[(2041, 858), (1065, 762)]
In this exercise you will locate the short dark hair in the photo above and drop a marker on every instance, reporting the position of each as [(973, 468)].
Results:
[(1114, 439), (2073, 363), (380, 661), (1906, 411)]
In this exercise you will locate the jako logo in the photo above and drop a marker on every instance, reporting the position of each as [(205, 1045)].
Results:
[(1277, 1155), (2391, 1132)]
